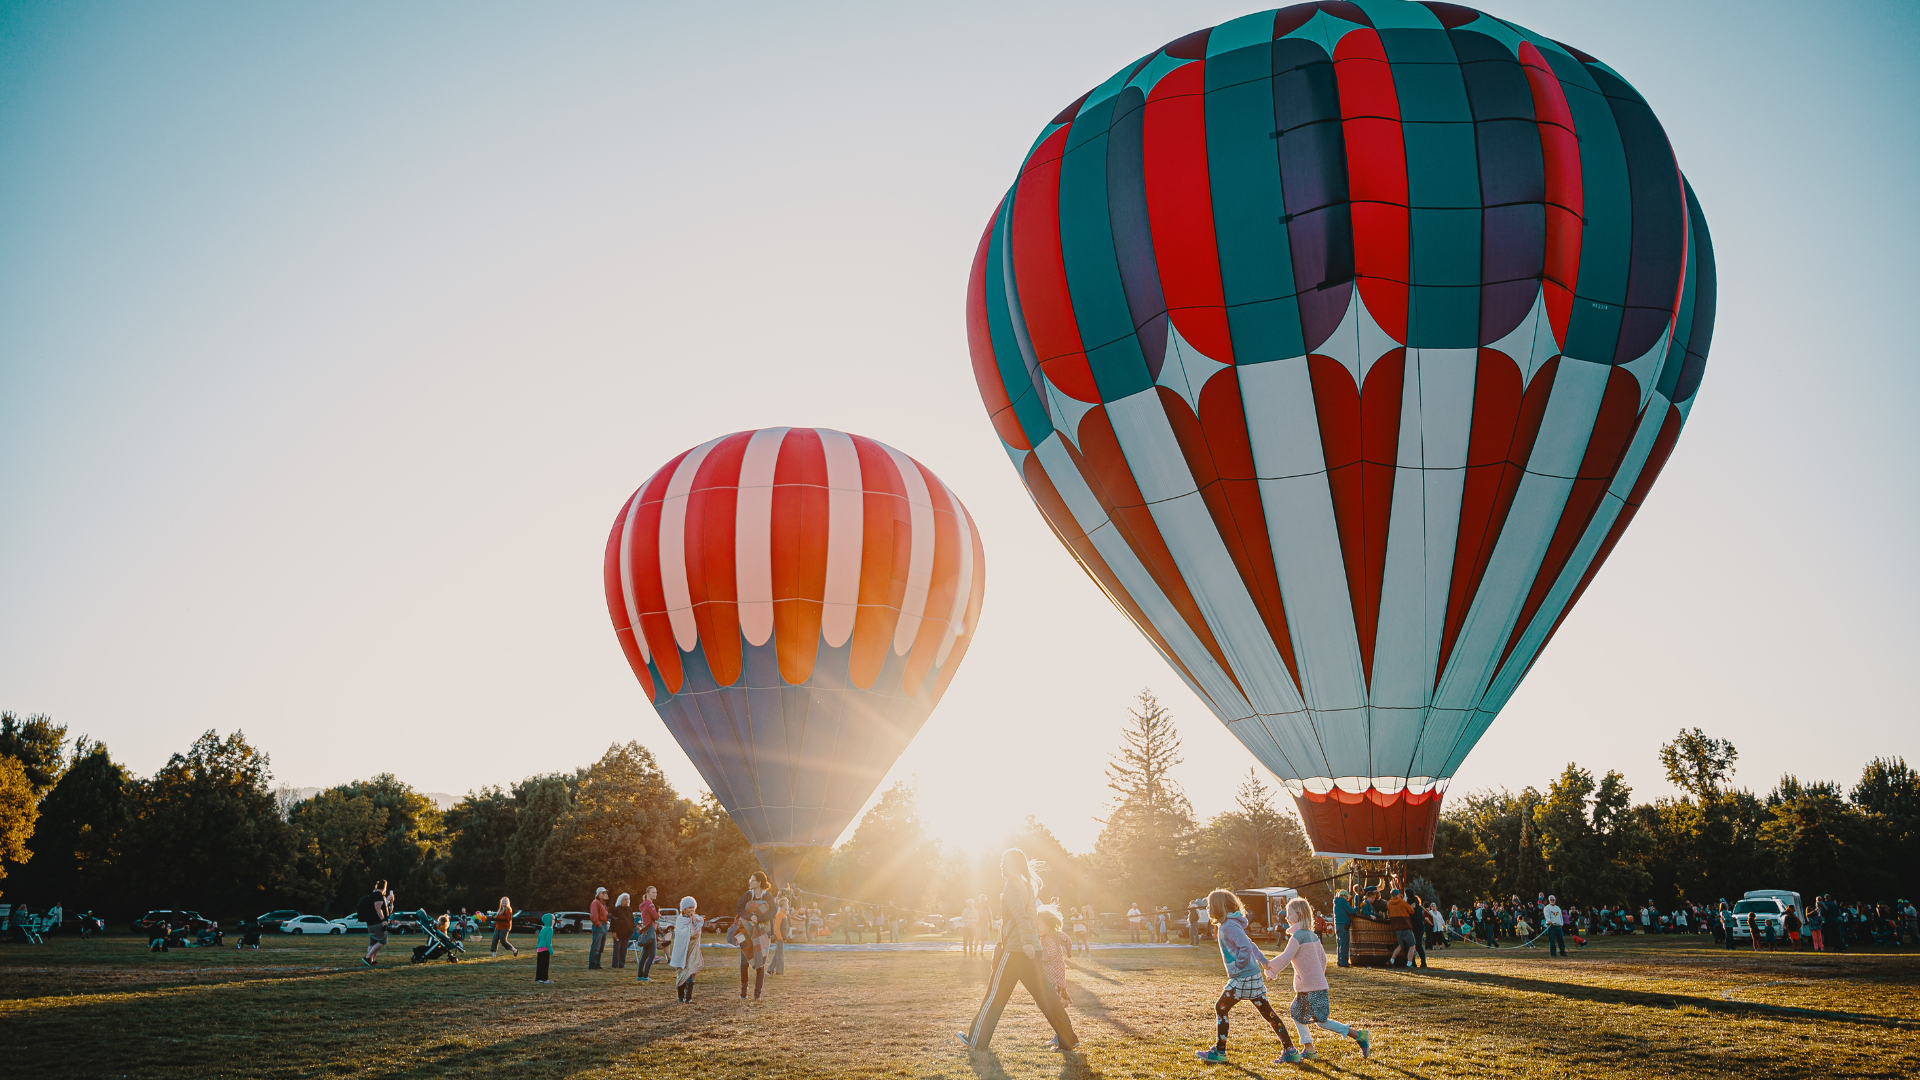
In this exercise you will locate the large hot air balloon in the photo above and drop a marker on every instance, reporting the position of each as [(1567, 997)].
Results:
[(1340, 343), (794, 601)]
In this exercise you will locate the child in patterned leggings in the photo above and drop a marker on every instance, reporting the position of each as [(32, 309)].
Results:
[(1309, 960), (1244, 980)]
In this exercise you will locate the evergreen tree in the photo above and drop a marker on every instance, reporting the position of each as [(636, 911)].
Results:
[(1148, 844)]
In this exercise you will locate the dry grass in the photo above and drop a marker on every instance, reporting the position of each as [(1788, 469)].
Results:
[(303, 1008)]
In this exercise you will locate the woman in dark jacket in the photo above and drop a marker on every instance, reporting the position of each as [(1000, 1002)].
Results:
[(622, 928)]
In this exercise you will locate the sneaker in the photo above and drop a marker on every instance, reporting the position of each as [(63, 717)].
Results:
[(1310, 1054), (1211, 1056), (366, 961), (964, 1041), (1054, 1044), (1365, 1040), (1291, 1057)]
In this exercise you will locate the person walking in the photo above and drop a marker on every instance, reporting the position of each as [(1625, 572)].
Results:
[(622, 929), (1081, 917), (1310, 1005), (502, 927), (374, 909), (1016, 959), (599, 917), (752, 921), (1245, 977), (1556, 927)]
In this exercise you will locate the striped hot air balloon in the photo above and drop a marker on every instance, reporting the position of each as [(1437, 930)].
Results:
[(794, 601), (1340, 343)]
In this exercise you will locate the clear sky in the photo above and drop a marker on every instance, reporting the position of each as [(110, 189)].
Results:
[(333, 336)]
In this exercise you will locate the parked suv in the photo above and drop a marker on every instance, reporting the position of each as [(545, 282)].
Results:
[(270, 922), (1765, 909), (191, 921)]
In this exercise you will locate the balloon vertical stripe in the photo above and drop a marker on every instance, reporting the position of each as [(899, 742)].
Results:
[(757, 586), (1339, 344)]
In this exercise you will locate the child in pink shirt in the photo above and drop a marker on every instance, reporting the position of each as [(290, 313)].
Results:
[(1309, 960), (1055, 947)]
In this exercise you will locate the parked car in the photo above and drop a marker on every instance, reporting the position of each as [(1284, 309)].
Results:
[(1767, 910), (311, 924), (271, 921), (192, 921), (572, 922), (403, 922), (351, 924)]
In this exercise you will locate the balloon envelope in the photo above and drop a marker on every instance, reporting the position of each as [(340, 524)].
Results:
[(794, 601), (1340, 343)]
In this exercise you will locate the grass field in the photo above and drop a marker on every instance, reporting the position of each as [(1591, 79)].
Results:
[(305, 1008)]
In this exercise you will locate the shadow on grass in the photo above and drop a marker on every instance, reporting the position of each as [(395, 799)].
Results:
[(1660, 999), (986, 1065)]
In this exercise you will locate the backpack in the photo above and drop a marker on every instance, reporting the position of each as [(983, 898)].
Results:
[(368, 911)]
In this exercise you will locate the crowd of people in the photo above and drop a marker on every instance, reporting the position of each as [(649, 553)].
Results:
[(1826, 924)]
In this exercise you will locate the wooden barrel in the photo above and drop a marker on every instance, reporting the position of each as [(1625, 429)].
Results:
[(1372, 943)]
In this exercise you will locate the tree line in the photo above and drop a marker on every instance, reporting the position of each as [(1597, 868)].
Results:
[(206, 832), (1586, 840)]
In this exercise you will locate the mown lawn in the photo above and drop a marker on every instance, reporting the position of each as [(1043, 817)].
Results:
[(305, 1008)]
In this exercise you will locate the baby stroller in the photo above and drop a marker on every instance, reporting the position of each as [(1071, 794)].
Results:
[(438, 944), (249, 934)]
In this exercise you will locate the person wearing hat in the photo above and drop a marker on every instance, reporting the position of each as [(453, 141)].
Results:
[(600, 917), (686, 955)]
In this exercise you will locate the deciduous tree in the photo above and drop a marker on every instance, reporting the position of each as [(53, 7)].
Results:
[(38, 744)]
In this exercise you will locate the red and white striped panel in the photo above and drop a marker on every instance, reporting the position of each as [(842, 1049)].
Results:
[(794, 537)]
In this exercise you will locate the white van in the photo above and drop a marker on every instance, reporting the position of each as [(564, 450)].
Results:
[(1769, 906)]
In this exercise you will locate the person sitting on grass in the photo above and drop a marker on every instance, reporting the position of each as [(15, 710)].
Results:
[(1243, 960), (1309, 959)]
